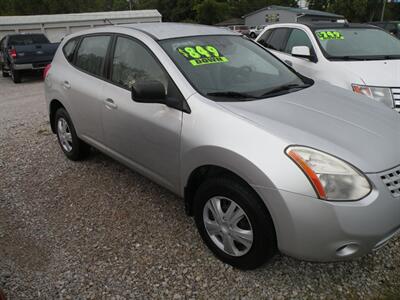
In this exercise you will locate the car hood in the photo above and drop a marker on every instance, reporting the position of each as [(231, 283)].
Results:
[(352, 127), (385, 73)]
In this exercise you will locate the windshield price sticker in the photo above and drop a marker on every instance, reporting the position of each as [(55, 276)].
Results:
[(202, 55), (330, 35)]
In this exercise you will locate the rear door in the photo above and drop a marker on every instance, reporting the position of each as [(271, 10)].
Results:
[(83, 84), (147, 136)]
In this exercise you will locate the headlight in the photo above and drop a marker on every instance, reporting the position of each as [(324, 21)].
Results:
[(383, 95), (332, 178)]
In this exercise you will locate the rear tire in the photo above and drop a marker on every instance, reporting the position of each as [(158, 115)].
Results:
[(4, 73), (72, 146), (244, 238), (16, 75), (253, 35)]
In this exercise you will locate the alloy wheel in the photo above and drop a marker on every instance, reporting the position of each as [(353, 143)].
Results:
[(64, 134)]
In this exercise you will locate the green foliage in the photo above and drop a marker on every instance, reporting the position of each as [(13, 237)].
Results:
[(211, 11), (358, 10), (203, 11)]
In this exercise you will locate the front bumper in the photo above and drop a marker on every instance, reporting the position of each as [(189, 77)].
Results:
[(317, 230)]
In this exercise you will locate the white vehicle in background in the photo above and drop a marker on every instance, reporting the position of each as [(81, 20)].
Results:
[(256, 30), (358, 57), (242, 29)]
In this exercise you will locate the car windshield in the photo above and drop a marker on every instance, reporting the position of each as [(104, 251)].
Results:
[(231, 68), (358, 44)]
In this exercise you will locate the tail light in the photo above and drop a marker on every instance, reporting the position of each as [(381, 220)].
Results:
[(12, 53), (46, 71)]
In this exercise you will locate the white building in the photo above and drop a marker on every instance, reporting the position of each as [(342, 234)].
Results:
[(57, 26)]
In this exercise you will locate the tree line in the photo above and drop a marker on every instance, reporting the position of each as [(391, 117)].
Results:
[(201, 11)]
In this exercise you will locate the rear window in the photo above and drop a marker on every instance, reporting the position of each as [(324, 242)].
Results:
[(69, 49), (27, 39)]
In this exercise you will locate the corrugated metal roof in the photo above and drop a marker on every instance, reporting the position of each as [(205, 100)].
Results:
[(295, 10), (38, 19)]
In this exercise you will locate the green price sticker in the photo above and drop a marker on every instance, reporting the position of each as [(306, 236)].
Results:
[(330, 35), (202, 55)]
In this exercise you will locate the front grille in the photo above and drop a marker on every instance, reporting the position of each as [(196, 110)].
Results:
[(392, 180), (396, 98)]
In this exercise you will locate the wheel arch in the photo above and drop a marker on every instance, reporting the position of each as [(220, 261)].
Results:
[(208, 162), (53, 107)]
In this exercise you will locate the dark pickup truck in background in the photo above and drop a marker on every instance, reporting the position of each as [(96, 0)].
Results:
[(22, 52)]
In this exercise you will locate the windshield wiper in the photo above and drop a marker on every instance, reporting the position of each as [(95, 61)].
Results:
[(364, 58), (231, 94), (390, 57), (284, 88)]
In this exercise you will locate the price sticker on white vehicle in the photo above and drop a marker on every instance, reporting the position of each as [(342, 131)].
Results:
[(202, 55), (330, 35)]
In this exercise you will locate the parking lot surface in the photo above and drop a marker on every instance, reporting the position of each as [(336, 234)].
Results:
[(96, 230)]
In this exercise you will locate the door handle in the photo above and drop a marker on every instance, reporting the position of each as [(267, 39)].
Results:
[(66, 85), (289, 63), (110, 104)]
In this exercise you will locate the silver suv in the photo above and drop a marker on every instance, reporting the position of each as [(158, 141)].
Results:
[(264, 158)]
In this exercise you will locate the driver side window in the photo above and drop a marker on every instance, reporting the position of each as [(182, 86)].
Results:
[(132, 62), (298, 38)]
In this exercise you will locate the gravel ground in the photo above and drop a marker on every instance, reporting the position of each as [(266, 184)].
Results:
[(96, 230)]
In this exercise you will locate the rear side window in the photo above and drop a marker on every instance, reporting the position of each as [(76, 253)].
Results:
[(91, 54), (264, 37), (27, 39), (297, 38), (277, 39), (69, 49)]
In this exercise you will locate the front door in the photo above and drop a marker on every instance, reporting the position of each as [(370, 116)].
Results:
[(147, 135)]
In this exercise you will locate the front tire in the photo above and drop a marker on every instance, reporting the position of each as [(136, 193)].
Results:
[(234, 223), (73, 147)]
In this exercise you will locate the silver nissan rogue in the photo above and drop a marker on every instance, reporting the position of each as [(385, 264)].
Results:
[(265, 158)]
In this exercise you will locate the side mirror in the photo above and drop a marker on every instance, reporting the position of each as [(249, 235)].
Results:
[(303, 52), (149, 91)]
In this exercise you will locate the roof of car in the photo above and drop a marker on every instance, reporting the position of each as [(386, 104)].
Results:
[(322, 25), (384, 22), (165, 30)]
